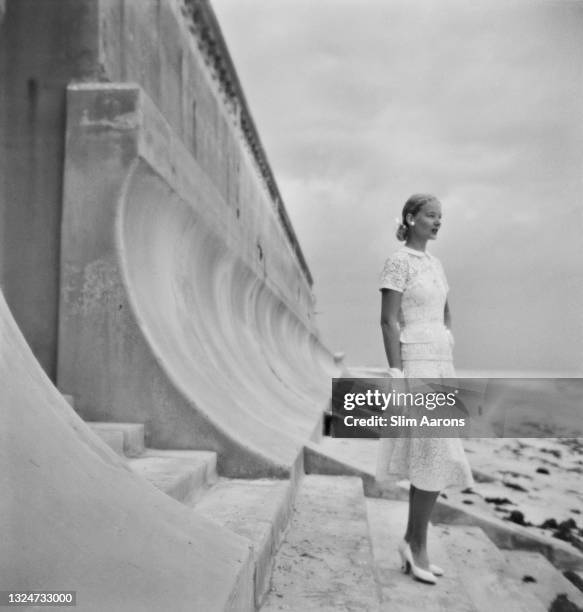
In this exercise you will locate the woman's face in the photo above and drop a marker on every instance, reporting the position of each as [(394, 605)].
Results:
[(427, 221)]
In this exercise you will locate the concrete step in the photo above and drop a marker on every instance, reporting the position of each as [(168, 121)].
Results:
[(360, 453), (400, 592), (256, 509), (484, 572), (184, 475), (325, 562), (549, 585), (113, 438), (132, 435)]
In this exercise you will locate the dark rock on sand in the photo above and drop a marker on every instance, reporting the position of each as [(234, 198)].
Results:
[(551, 451), (517, 517), (514, 474), (562, 603), (499, 501), (566, 531), (575, 444), (515, 486)]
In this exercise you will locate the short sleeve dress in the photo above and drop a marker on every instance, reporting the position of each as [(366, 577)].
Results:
[(430, 464)]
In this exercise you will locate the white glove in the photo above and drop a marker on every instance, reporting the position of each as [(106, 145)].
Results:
[(396, 373)]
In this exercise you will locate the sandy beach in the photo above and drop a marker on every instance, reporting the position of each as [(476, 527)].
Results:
[(536, 483)]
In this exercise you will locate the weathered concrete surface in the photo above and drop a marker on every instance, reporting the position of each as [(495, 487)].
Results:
[(74, 517), (175, 51), (259, 510), (478, 576), (548, 583), (169, 316), (387, 521), (43, 46), (484, 574), (184, 475), (325, 562), (132, 436)]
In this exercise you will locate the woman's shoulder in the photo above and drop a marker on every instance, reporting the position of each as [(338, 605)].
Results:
[(395, 272), (398, 259)]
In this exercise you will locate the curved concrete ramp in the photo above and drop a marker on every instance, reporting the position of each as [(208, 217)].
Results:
[(181, 309), (74, 518)]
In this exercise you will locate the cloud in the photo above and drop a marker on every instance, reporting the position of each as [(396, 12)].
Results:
[(360, 104)]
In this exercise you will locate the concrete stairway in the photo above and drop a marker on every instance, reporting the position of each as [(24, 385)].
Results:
[(340, 548), (325, 562), (258, 510)]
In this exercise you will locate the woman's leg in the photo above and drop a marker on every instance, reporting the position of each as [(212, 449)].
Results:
[(409, 519), (421, 502), (420, 506)]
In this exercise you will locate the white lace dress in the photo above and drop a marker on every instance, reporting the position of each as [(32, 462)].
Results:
[(431, 464)]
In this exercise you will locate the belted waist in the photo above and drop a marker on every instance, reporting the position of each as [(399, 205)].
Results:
[(425, 332)]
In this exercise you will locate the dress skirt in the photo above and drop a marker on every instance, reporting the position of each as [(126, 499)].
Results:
[(431, 464)]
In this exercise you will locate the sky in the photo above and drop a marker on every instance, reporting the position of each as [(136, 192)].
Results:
[(360, 103)]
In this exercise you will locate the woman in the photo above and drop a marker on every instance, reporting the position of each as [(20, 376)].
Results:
[(415, 321)]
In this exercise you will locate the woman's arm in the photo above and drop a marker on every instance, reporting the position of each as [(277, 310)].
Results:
[(447, 316), (391, 303), (447, 323)]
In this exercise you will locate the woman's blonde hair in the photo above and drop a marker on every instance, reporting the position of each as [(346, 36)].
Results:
[(412, 206)]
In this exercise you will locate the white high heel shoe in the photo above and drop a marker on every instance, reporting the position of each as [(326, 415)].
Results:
[(409, 565), (434, 569)]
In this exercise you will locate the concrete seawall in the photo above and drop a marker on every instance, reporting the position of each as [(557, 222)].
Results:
[(147, 256), (169, 316), (175, 52), (150, 265)]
